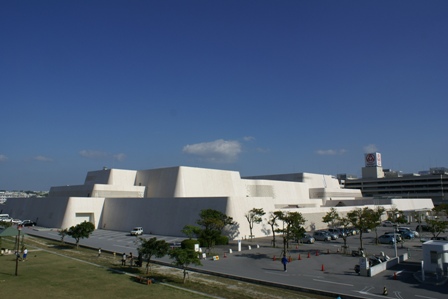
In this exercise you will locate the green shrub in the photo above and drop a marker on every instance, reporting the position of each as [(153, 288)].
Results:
[(188, 243), (222, 240)]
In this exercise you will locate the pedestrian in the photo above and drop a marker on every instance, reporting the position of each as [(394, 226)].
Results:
[(284, 262), (123, 259), (131, 258), (99, 252), (25, 253)]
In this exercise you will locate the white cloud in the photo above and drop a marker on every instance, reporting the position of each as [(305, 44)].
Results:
[(3, 158), (92, 154), (42, 159), (220, 151), (331, 152), (248, 138), (371, 148), (119, 157)]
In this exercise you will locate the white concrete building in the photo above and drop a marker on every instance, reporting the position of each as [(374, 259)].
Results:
[(164, 200)]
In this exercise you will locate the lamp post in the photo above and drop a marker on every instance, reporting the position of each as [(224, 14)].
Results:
[(19, 228), (395, 239)]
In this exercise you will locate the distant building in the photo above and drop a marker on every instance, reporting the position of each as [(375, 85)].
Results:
[(379, 182), (164, 200)]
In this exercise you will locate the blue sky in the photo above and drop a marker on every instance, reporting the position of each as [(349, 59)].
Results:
[(259, 87)]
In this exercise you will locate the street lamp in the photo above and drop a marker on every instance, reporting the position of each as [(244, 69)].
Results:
[(19, 228), (395, 239)]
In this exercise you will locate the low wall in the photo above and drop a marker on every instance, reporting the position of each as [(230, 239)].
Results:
[(388, 264)]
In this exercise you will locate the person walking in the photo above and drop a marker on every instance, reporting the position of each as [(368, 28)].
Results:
[(123, 259), (131, 259), (284, 262), (99, 252), (25, 253)]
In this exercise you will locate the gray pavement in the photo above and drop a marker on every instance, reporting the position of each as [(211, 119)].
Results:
[(325, 272)]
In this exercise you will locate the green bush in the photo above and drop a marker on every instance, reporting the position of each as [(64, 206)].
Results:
[(222, 240), (189, 244)]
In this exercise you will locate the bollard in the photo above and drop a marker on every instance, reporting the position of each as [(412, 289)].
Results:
[(273, 258), (385, 291), (225, 254), (395, 275), (317, 253), (328, 251), (308, 255), (323, 269), (299, 258)]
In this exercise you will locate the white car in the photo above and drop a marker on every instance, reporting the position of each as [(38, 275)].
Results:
[(137, 231)]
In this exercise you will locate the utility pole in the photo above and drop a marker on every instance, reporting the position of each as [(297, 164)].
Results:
[(19, 228)]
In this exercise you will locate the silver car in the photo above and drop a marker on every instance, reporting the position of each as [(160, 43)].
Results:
[(307, 238), (386, 239), (333, 236), (321, 236)]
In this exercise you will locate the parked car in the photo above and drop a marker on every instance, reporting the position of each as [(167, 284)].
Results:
[(137, 231), (338, 231), (27, 223), (388, 223), (406, 234), (416, 234), (307, 238), (386, 239), (321, 236), (333, 236), (398, 236)]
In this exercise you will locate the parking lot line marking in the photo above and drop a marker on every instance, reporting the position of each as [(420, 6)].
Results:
[(327, 281)]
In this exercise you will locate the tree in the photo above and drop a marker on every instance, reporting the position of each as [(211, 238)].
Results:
[(81, 231), (152, 247), (344, 222), (376, 218), (437, 224), (254, 216), (292, 228), (272, 221), (191, 230), (362, 220), (62, 233), (183, 257), (212, 222), (331, 218)]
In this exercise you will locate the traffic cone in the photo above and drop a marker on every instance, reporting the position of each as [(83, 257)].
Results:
[(395, 275), (308, 255), (225, 254), (297, 246), (317, 253), (273, 258), (299, 258), (323, 269), (289, 259)]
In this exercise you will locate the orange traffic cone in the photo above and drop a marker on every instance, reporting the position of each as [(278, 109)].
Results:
[(308, 255), (299, 258), (289, 259), (317, 253), (273, 258), (323, 269)]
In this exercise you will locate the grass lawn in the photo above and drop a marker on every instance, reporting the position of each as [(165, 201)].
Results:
[(46, 275), (56, 270)]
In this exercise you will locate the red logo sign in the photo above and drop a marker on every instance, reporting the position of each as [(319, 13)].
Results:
[(370, 158)]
